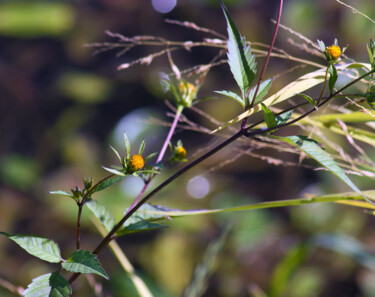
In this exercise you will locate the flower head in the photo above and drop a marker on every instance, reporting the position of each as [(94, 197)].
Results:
[(334, 51), (136, 163), (181, 152)]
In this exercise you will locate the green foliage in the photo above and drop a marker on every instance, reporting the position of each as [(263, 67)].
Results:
[(308, 99), (82, 261), (232, 95), (262, 92), (332, 77), (40, 247), (269, 117), (102, 213), (48, 285), (241, 61), (139, 226), (312, 148)]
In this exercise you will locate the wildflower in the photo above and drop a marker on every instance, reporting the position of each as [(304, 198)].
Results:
[(334, 51), (181, 152), (136, 163)]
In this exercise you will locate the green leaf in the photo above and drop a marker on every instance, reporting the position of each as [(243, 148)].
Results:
[(263, 90), (332, 77), (102, 213), (232, 95), (309, 99), (84, 262), (48, 285), (116, 152), (150, 156), (139, 226), (141, 147), (269, 117), (321, 45), (37, 246), (283, 118), (146, 213), (59, 192), (127, 145), (300, 85), (312, 148), (241, 61), (114, 171), (106, 183)]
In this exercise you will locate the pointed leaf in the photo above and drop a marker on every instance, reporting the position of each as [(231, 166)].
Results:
[(37, 246), (48, 285), (114, 171), (106, 183), (145, 213), (150, 156), (127, 145), (59, 192), (283, 118), (116, 152), (312, 148), (301, 84), (84, 262), (321, 45), (309, 99), (231, 95), (139, 226), (141, 147), (240, 59), (263, 90), (102, 213), (269, 117), (332, 78)]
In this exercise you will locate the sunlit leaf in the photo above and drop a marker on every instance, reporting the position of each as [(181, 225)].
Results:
[(241, 61), (269, 117), (102, 213), (59, 192), (312, 148), (139, 226), (332, 77), (38, 246), (231, 95), (114, 171), (84, 262), (283, 118), (106, 183), (263, 90), (48, 285)]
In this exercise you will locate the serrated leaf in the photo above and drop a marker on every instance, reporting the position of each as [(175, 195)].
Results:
[(114, 171), (240, 59), (300, 85), (59, 192), (48, 285), (138, 227), (263, 90), (82, 261), (269, 116), (312, 148), (102, 213), (283, 118), (127, 145), (232, 95), (332, 77), (38, 246), (106, 183)]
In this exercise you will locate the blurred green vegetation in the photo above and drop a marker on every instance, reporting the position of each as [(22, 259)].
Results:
[(61, 107)]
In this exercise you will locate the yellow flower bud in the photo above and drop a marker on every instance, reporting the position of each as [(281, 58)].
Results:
[(136, 163), (181, 152), (334, 51)]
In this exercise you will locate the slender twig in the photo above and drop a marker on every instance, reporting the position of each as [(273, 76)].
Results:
[(244, 122), (79, 224)]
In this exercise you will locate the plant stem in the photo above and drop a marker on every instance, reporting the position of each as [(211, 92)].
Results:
[(244, 122), (79, 225), (324, 86)]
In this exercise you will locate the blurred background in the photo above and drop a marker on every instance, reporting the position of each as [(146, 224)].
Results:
[(62, 105)]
